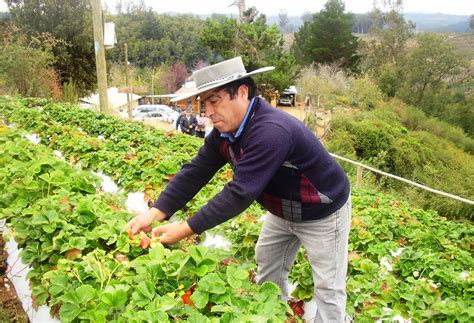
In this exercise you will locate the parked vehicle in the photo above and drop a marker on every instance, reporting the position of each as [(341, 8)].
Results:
[(288, 97), (163, 112), (285, 99)]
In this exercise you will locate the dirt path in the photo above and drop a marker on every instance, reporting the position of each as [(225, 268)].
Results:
[(323, 117)]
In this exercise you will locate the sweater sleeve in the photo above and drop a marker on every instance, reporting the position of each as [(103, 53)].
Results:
[(191, 178), (267, 148)]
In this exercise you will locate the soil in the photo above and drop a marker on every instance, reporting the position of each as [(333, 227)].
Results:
[(322, 122), (10, 306)]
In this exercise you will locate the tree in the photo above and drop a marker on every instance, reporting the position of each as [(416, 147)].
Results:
[(258, 44), (245, 15), (155, 39), (391, 33), (362, 23), (471, 22), (327, 37), (432, 64), (283, 21), (26, 65), (176, 77), (71, 23)]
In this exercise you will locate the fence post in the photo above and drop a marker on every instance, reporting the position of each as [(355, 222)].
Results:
[(359, 177)]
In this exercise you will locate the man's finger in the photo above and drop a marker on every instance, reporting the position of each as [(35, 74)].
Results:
[(134, 228), (159, 230)]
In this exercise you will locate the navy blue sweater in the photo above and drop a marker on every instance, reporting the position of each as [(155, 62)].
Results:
[(277, 161)]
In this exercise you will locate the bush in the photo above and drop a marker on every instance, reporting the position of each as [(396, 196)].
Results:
[(389, 81), (327, 82), (416, 119), (70, 92), (26, 65), (366, 94), (379, 138)]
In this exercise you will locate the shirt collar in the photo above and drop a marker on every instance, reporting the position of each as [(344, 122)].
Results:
[(231, 137)]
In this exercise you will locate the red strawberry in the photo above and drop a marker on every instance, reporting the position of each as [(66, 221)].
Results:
[(145, 242), (297, 306), (187, 297), (229, 260)]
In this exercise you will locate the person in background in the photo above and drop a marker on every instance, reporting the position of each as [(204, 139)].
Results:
[(178, 121), (278, 162), (188, 122), (202, 122)]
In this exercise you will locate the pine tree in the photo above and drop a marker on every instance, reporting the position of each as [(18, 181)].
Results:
[(327, 37)]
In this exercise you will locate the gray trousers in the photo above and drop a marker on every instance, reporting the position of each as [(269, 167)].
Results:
[(326, 244)]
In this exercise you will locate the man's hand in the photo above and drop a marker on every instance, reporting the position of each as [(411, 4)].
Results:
[(142, 222), (172, 233)]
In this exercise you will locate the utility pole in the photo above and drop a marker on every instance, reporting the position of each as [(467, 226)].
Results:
[(152, 89), (100, 55), (127, 83)]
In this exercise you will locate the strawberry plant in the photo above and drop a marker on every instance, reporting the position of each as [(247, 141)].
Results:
[(402, 261)]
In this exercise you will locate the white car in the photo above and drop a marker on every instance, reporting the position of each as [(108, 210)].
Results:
[(161, 111)]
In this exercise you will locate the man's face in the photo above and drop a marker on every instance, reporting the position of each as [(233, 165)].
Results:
[(226, 114)]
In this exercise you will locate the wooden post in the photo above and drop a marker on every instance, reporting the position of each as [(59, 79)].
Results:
[(100, 55), (127, 83), (359, 177)]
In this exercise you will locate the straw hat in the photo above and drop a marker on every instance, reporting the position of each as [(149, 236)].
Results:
[(214, 76)]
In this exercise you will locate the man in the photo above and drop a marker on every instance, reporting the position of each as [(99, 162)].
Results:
[(188, 122), (178, 121), (278, 162)]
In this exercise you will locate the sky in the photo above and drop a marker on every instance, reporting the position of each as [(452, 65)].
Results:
[(295, 7)]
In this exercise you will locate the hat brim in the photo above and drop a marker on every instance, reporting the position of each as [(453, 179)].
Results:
[(193, 91)]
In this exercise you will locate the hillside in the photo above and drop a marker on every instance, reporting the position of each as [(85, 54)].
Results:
[(424, 22), (436, 22)]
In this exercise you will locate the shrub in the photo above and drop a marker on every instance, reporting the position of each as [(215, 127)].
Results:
[(366, 94), (379, 139), (26, 65), (327, 82), (416, 119)]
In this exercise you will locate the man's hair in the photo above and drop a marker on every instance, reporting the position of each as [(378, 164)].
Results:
[(232, 87)]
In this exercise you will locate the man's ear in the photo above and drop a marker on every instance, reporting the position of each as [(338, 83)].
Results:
[(243, 91)]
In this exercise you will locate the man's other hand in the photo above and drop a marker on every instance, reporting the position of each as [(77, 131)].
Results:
[(142, 222), (172, 233)]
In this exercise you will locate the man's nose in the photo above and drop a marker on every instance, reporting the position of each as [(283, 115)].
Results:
[(209, 111)]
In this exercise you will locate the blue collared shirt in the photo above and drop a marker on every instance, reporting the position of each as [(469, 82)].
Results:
[(231, 137)]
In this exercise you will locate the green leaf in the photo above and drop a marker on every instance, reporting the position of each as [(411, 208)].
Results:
[(58, 284), (157, 253), (269, 288), (85, 293), (196, 253), (200, 298), (78, 243), (212, 283), (69, 312), (202, 270), (145, 316), (241, 274), (147, 289), (95, 315), (45, 177), (234, 283), (221, 309), (114, 297), (39, 219), (162, 303)]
